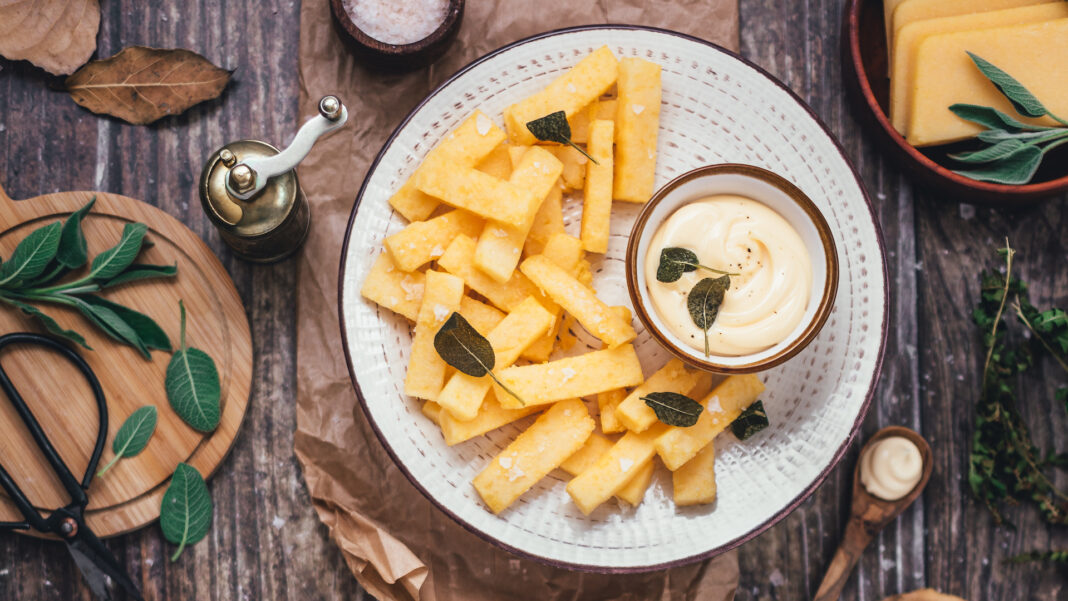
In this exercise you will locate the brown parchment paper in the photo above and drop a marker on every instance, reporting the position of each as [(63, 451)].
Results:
[(398, 545)]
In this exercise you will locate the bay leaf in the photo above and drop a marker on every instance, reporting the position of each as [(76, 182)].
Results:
[(31, 256), (186, 512), (73, 250), (192, 384), (704, 300), (141, 85), (133, 435), (674, 409), (57, 35), (752, 420)]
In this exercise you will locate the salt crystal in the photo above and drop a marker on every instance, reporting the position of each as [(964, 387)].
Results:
[(413, 290), (397, 21), (568, 373), (437, 251), (441, 312), (500, 233), (515, 473), (625, 464), (714, 406), (637, 108), (506, 462), (571, 88), (482, 124)]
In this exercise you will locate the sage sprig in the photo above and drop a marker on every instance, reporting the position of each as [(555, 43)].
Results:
[(133, 435), (752, 420), (555, 128), (29, 278), (704, 301), (186, 512), (674, 409), (461, 346), (675, 261), (192, 384), (1014, 149)]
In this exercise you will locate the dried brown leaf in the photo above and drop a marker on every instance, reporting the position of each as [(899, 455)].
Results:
[(141, 85), (56, 35)]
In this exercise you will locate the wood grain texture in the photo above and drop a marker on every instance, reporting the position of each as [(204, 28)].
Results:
[(267, 544)]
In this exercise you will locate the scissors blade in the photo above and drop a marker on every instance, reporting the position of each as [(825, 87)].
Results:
[(99, 567)]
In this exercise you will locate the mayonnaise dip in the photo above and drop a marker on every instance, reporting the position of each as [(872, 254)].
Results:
[(891, 468), (768, 297)]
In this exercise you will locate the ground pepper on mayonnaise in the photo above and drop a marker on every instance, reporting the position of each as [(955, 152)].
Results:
[(768, 297)]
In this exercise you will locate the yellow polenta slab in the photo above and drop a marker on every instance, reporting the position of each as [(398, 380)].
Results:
[(470, 189), (634, 491), (481, 316), (396, 290), (604, 108), (462, 395), (637, 125), (722, 406), (910, 36), (497, 163), (695, 482), (582, 459), (501, 244), (608, 402), (946, 75), (548, 221), (578, 300), (540, 449), (433, 411), (888, 18), (597, 195), (459, 261), (912, 11), (578, 376), (490, 417), (566, 251), (468, 144), (574, 173), (571, 92), (423, 241), (426, 369), (614, 469), (635, 415)]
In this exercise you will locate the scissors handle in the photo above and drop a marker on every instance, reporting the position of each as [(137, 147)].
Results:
[(74, 488)]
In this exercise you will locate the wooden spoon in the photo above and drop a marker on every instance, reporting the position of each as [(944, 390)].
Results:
[(869, 515)]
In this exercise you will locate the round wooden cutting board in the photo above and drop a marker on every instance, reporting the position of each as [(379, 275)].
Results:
[(127, 497)]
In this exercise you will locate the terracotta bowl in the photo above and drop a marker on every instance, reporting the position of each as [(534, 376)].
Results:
[(765, 187), (865, 62), (398, 57)]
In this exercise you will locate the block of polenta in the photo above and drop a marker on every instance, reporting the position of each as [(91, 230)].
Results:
[(888, 18), (540, 449), (426, 369), (634, 491), (490, 417), (578, 300), (607, 402), (573, 176), (577, 376), (910, 36), (497, 163), (613, 470), (571, 92), (396, 290), (912, 11), (474, 139), (566, 251), (604, 108), (722, 406), (946, 75), (581, 460), (432, 411), (548, 221), (481, 316), (470, 189), (459, 260), (634, 414), (695, 482), (636, 128), (597, 194), (423, 241), (462, 395)]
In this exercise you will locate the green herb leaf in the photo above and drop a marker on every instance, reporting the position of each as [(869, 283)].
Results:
[(185, 515), (674, 409), (31, 256), (461, 346), (50, 324), (133, 435), (674, 261), (704, 301), (752, 420), (990, 153), (1017, 167), (73, 251), (1057, 557), (147, 330), (192, 384), (555, 128), (993, 136), (116, 259), (988, 117), (1022, 100), (110, 322), (141, 271)]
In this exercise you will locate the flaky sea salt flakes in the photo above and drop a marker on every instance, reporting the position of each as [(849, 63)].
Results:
[(625, 464), (637, 108), (413, 290), (437, 251), (568, 373), (571, 88), (441, 312), (482, 124), (714, 406), (397, 21), (506, 462)]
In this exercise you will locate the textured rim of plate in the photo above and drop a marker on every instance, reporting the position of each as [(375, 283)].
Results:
[(785, 511)]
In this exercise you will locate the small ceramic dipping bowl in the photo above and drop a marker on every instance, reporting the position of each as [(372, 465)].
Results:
[(776, 193), (381, 56)]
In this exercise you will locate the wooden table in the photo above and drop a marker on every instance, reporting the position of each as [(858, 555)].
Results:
[(267, 544)]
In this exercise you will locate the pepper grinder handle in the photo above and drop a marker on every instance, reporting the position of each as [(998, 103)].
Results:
[(246, 179)]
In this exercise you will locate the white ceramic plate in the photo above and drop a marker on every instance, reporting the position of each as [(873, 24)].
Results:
[(717, 108)]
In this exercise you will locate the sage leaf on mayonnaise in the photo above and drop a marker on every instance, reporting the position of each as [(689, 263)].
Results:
[(675, 261), (133, 435), (185, 515), (461, 346), (31, 256), (752, 420), (674, 409), (555, 128), (73, 250), (192, 385), (704, 302)]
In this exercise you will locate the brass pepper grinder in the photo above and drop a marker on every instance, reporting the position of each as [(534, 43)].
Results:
[(250, 189)]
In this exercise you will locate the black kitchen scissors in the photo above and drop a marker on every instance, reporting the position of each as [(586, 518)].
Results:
[(96, 562)]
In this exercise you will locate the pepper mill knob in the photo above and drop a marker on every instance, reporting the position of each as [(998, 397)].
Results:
[(330, 107)]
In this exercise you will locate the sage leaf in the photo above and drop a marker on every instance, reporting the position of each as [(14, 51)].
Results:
[(674, 261), (133, 435), (1017, 167), (752, 420), (1022, 100), (147, 330), (555, 128), (993, 136), (990, 153), (73, 251), (192, 385), (31, 256), (989, 117), (185, 515), (110, 322), (674, 409), (116, 259), (704, 300), (461, 346), (50, 324), (141, 271)]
